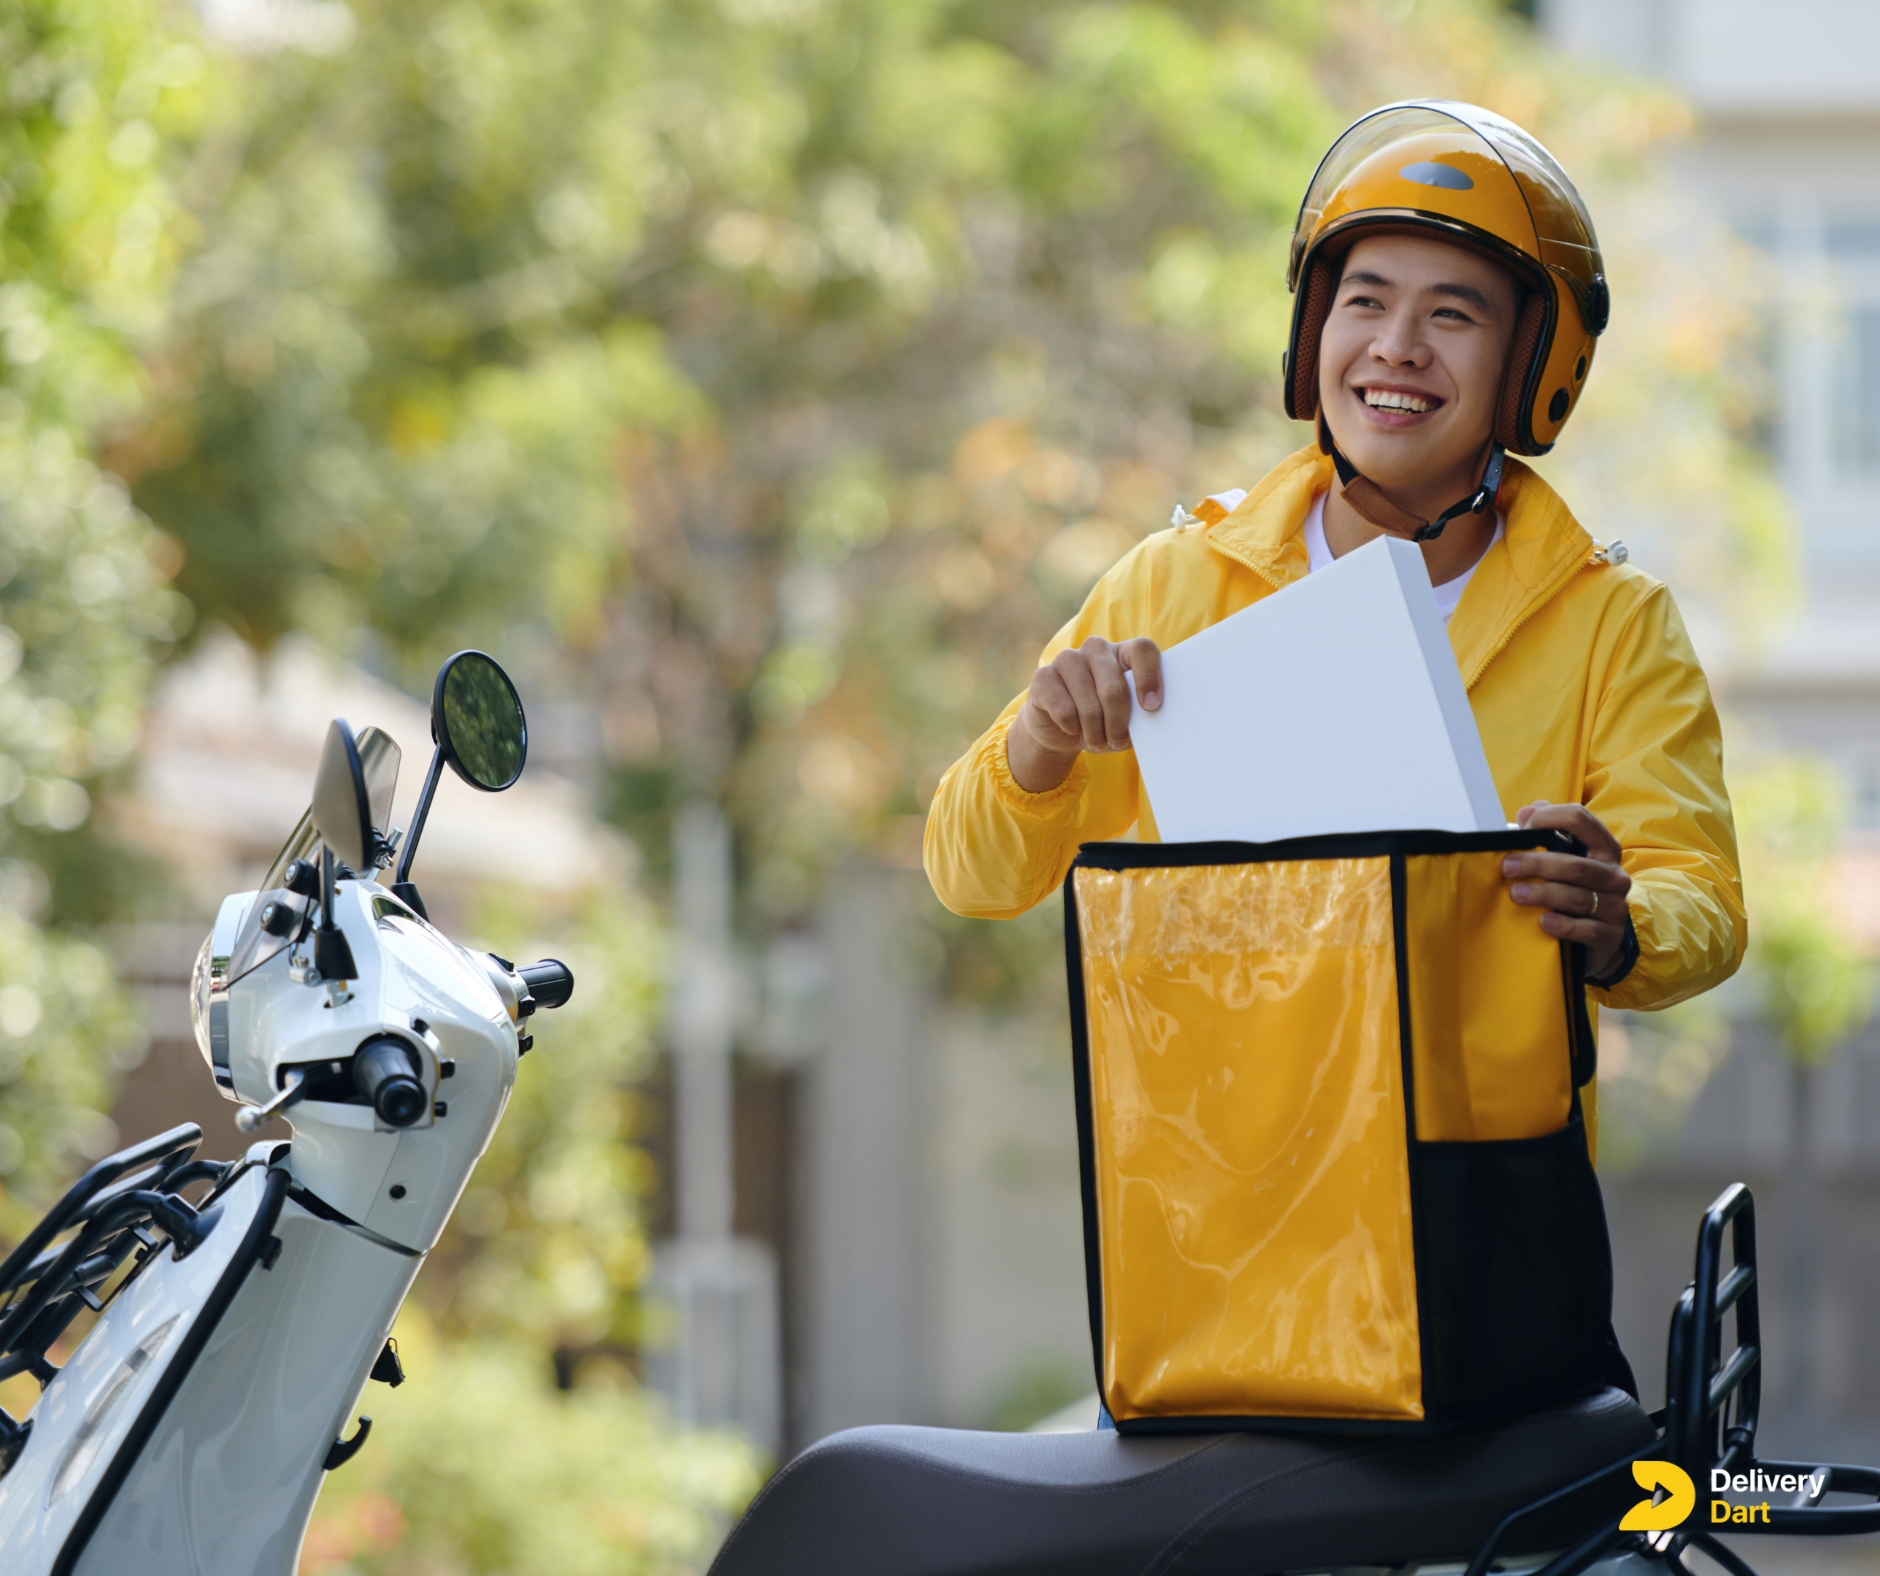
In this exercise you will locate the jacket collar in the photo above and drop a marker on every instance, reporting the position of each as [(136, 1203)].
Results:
[(1540, 551)]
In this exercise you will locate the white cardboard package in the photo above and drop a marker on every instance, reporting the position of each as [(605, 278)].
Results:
[(1334, 705)]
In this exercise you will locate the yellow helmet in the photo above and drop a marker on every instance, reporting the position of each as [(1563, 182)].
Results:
[(1465, 175)]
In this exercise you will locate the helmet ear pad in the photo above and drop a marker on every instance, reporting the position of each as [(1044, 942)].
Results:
[(1310, 310), (1524, 359), (1313, 305)]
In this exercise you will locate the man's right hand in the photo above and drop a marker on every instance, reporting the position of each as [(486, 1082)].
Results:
[(1079, 701)]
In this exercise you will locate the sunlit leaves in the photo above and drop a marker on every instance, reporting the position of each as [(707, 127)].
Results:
[(64, 1031), (88, 91), (551, 1247), (1806, 962), (477, 1467)]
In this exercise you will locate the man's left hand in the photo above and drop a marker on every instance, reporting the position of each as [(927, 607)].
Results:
[(1582, 899)]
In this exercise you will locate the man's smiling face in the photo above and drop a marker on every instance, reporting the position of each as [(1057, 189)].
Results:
[(1410, 364)]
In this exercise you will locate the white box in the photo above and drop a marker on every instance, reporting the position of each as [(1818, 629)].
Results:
[(1334, 705)]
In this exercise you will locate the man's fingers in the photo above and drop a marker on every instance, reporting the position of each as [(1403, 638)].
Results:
[(1576, 820), (1593, 934), (1570, 868), (1083, 687), (1571, 901), (1084, 696), (1053, 700), (1143, 658), (1601, 941), (1106, 669)]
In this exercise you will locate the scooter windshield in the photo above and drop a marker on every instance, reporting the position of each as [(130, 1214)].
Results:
[(380, 756)]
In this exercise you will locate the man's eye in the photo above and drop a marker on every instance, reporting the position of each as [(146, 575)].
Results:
[(1370, 301)]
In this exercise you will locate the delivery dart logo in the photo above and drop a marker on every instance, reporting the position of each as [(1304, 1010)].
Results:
[(1647, 1516)]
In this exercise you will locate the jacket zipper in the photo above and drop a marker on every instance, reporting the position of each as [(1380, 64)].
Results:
[(1245, 562), (1528, 612)]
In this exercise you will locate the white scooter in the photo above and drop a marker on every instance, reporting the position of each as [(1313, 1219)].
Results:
[(188, 1432)]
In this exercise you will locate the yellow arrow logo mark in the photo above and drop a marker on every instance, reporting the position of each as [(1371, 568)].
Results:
[(1646, 1516)]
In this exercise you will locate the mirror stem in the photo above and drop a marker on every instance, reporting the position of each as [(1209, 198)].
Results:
[(406, 854), (332, 957)]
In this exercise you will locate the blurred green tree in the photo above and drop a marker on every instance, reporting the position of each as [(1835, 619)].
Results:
[(1811, 976), (1813, 984), (104, 123), (547, 1245), (478, 1469), (89, 90)]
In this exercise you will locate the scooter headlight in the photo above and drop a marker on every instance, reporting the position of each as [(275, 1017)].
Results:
[(208, 989), (202, 984)]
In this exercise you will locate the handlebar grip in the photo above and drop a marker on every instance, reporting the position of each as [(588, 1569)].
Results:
[(550, 982), (383, 1073)]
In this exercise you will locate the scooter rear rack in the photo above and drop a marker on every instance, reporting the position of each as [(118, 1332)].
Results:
[(1712, 1404), (115, 1210)]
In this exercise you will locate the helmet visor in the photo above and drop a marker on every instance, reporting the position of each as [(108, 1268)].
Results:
[(1568, 245), (1447, 161), (1356, 148)]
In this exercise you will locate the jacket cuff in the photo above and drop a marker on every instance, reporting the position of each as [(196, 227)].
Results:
[(1628, 959), (993, 759)]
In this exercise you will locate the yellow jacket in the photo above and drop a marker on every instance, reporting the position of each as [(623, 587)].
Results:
[(1581, 676)]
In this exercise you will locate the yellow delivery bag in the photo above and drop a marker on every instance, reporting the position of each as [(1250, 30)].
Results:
[(1335, 1172)]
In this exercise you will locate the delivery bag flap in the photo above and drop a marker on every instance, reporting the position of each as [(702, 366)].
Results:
[(1335, 1171)]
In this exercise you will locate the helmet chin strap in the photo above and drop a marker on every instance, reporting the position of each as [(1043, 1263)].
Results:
[(1374, 505)]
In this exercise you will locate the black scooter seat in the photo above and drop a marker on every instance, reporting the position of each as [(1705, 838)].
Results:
[(896, 1501)]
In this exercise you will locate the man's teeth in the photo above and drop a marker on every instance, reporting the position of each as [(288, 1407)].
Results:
[(1389, 399)]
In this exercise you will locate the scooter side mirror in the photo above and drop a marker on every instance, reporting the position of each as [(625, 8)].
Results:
[(478, 726), (477, 721), (342, 803)]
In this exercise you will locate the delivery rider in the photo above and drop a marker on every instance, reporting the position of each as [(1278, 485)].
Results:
[(1448, 298)]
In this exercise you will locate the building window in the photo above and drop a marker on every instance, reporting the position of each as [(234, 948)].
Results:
[(1852, 247), (1856, 406), (1866, 806)]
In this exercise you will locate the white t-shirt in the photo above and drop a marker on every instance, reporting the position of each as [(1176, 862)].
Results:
[(1448, 594)]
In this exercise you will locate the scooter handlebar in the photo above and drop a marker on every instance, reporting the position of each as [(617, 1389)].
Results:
[(384, 1074), (550, 982)]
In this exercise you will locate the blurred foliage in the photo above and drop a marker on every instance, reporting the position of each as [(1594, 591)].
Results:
[(1807, 977), (1813, 983), (546, 1245), (64, 1029), (89, 91), (1034, 1391), (477, 1469), (1652, 1066)]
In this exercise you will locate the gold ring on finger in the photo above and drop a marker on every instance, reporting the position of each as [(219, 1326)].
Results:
[(1591, 912)]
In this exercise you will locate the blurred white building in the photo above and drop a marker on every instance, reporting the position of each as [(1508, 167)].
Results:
[(1787, 152)]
